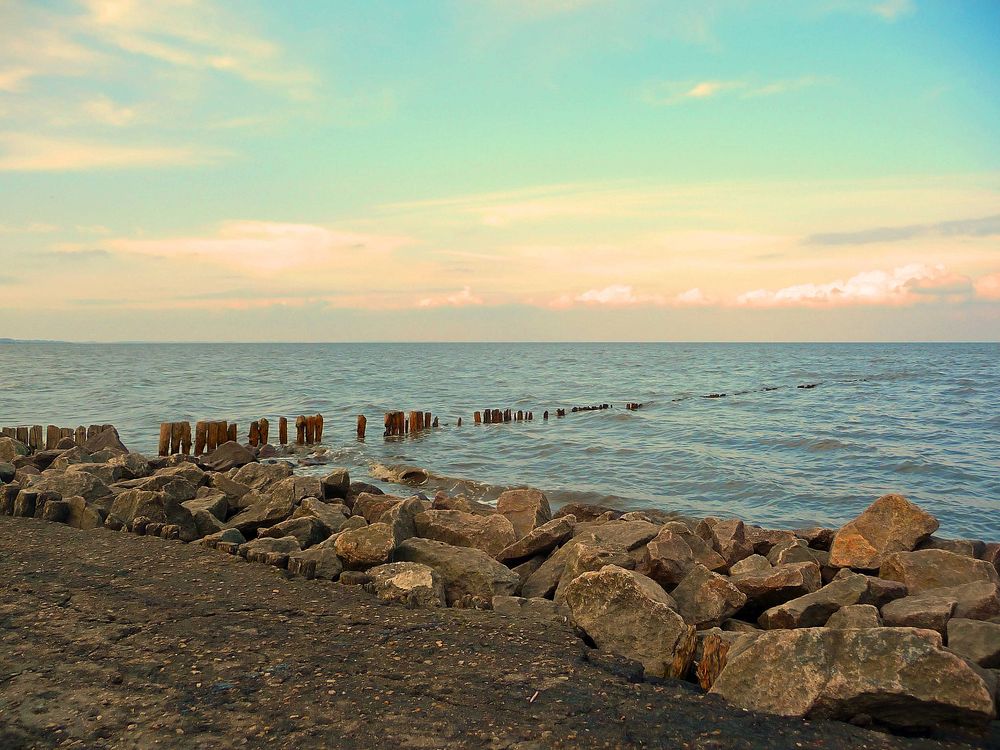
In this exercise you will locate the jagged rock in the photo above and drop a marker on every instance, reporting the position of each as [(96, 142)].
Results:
[(459, 502), (226, 536), (488, 533), (295, 489), (56, 511), (260, 477), (69, 484), (186, 470), (739, 626), (586, 512), (204, 522), (401, 518), (359, 488), (464, 570), (70, 457), (777, 585), (83, 515), (727, 537), (269, 549), (354, 522), (628, 614), (134, 464), (702, 550), (7, 472), (813, 610), (752, 564), (966, 547), (905, 680), (106, 440), (336, 484), (212, 501), (234, 491), (333, 516), (107, 473), (24, 504), (979, 600), (880, 591), (525, 569), (712, 651), (889, 525), (176, 487), (526, 509), (705, 599), (410, 583), (667, 558), (632, 535), (816, 537), (261, 515), (796, 550), (935, 569), (158, 508), (586, 556), (764, 540), (11, 449), (320, 561), (928, 611), (308, 530), (364, 548), (534, 609), (991, 554), (230, 455), (975, 640), (371, 507), (855, 616), (539, 540)]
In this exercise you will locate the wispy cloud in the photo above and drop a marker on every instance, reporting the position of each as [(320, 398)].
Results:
[(986, 226), (669, 93), (26, 152), (461, 298), (890, 10)]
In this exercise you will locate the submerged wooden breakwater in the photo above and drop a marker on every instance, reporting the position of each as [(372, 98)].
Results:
[(176, 437), (37, 438)]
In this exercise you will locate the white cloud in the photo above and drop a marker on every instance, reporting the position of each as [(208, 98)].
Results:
[(615, 295), (671, 93), (693, 298), (462, 298), (901, 286), (26, 152)]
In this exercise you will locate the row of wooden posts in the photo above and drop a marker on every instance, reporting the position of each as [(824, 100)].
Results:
[(175, 437), (38, 439), (398, 423), (496, 416)]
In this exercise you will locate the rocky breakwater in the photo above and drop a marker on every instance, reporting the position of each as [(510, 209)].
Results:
[(877, 623)]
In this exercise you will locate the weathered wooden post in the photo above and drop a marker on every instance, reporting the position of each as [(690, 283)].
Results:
[(416, 421), (254, 437), (176, 433), (164, 447), (211, 436), (400, 423), (300, 430), (283, 430), (488, 416), (265, 427), (35, 439), (311, 430), (428, 420), (22, 435), (186, 438), (200, 437), (477, 417), (80, 437), (232, 432), (362, 426), (435, 423), (318, 432), (224, 432), (459, 424)]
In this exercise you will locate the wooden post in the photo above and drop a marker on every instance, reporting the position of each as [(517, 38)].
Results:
[(389, 420), (300, 430), (318, 433), (211, 436), (186, 438), (488, 416), (459, 422), (232, 432), (81, 434), (224, 432), (35, 439), (311, 430), (164, 449), (400, 423), (254, 437), (428, 421), (67, 432), (200, 437), (283, 430), (22, 435), (435, 423), (545, 414), (477, 417), (362, 426), (176, 431), (265, 427)]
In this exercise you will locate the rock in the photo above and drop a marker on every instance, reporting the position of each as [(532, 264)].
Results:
[(539, 540), (70, 457), (307, 530), (176, 487), (927, 611), (739, 626), (270, 550), (975, 640), (586, 556), (213, 502), (336, 484), (880, 591), (260, 477), (585, 512), (712, 651), (106, 440), (320, 561), (10, 449), (228, 456), (107, 473), (465, 571), (371, 507), (68, 484), (359, 488), (889, 525), (443, 502), (816, 537), (855, 616), (25, 503), (705, 599), (752, 564), (134, 464), (333, 516), (543, 581), (966, 547), (364, 548), (295, 489), (7, 472), (83, 515), (226, 536), (185, 470), (700, 549), (158, 507), (234, 491), (904, 681), (525, 570), (728, 538), (489, 533), (410, 583), (991, 554), (764, 540), (401, 518), (796, 550), (526, 509), (56, 511), (628, 614), (261, 515), (777, 585), (813, 610), (934, 569), (204, 521), (974, 601), (533, 609), (667, 558), (632, 535)]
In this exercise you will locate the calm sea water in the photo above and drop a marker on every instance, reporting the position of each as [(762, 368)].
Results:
[(921, 420)]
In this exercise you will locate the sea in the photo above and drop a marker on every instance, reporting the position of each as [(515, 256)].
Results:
[(781, 435)]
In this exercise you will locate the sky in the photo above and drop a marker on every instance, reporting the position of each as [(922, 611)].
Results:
[(500, 170)]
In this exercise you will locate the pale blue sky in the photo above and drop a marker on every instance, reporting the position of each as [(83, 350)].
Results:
[(483, 169)]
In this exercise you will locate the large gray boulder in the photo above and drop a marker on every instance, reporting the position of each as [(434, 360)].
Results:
[(212, 501), (934, 569), (228, 456), (262, 514), (928, 611), (465, 571), (890, 524), (628, 614), (856, 616), (69, 484), (491, 534), (336, 484), (667, 559), (727, 537), (332, 515), (526, 509), (905, 680), (320, 561), (296, 489), (586, 556), (106, 440), (307, 530)]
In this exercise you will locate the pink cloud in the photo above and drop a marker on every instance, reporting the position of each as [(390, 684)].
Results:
[(462, 298), (988, 287)]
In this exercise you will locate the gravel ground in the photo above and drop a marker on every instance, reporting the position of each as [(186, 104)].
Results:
[(110, 640)]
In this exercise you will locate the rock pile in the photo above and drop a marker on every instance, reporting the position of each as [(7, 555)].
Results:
[(878, 622)]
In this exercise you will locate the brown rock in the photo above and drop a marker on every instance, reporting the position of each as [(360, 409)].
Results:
[(752, 564), (320, 561), (371, 507), (928, 611), (777, 585), (855, 616), (727, 537), (492, 534), (764, 540), (705, 598), (465, 571), (364, 548), (409, 583), (539, 540), (586, 556), (813, 610), (260, 477), (966, 547), (532, 609), (891, 524), (667, 558), (585, 512), (229, 455), (307, 530), (975, 640), (526, 509), (934, 569), (816, 537)]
